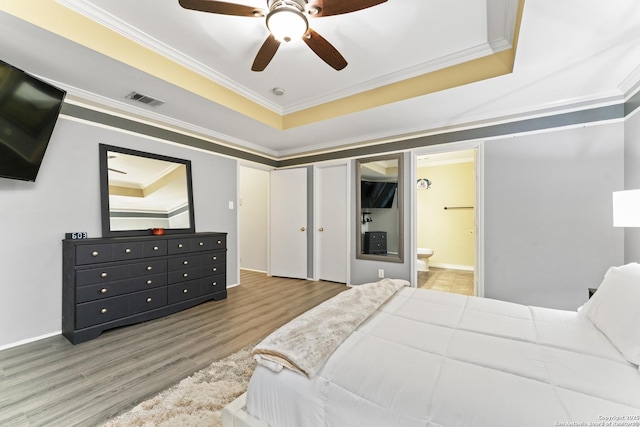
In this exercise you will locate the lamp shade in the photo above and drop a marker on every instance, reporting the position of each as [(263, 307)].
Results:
[(626, 208)]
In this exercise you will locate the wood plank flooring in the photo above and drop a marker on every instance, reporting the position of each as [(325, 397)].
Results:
[(53, 383)]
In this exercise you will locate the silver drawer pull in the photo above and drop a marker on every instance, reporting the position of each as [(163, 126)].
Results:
[(149, 282), (128, 251), (214, 269), (103, 311), (184, 291), (103, 290), (155, 248), (185, 262), (201, 243), (148, 299), (103, 275), (95, 253), (185, 275), (214, 258), (219, 242), (214, 283), (180, 245), (149, 268)]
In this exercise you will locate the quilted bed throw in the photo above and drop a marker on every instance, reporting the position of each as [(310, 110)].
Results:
[(304, 344)]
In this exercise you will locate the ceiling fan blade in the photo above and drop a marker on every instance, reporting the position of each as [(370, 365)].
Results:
[(324, 50), (338, 7), (222, 8), (265, 54)]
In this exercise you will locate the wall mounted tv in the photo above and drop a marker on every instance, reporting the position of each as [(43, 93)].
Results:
[(377, 194), (29, 109)]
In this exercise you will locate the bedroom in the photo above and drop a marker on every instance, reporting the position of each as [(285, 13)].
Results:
[(546, 188)]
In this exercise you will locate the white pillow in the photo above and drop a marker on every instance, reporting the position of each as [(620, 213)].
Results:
[(615, 309)]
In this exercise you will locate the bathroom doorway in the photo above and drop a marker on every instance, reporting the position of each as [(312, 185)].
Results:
[(445, 221)]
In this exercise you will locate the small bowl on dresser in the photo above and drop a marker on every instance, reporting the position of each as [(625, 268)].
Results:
[(157, 231)]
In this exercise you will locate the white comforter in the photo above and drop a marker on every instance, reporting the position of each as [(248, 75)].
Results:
[(428, 358)]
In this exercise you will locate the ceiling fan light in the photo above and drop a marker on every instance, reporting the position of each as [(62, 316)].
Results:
[(287, 24)]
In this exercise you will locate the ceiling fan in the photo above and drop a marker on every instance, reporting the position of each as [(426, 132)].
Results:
[(287, 21)]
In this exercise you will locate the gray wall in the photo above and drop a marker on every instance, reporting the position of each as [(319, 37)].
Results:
[(548, 214), (548, 233), (632, 181), (65, 197)]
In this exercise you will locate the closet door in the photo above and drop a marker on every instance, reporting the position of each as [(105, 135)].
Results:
[(288, 223), (332, 236)]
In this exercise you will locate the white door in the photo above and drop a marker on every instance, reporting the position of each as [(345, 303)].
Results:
[(288, 223), (332, 237)]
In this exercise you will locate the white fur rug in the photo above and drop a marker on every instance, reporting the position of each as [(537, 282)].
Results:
[(197, 400)]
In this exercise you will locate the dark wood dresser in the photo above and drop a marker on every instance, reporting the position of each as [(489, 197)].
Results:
[(375, 242), (119, 281)]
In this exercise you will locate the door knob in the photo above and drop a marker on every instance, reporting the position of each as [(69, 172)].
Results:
[(321, 229), (302, 229)]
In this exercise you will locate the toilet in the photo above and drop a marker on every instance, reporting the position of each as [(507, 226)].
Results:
[(423, 259)]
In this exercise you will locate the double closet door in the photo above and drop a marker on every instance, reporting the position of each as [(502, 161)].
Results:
[(309, 235)]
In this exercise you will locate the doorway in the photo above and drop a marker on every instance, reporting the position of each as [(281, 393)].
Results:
[(446, 215)]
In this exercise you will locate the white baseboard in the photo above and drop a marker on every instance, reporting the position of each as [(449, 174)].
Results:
[(451, 266), (30, 340), (251, 269)]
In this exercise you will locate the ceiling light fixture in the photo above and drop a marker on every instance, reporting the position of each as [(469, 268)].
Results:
[(286, 20)]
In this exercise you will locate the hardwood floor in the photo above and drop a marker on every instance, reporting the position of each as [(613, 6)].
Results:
[(53, 383)]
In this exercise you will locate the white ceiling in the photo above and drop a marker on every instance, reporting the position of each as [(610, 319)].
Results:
[(569, 54)]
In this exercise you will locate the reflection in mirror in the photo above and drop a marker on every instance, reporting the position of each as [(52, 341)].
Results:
[(142, 191), (379, 191)]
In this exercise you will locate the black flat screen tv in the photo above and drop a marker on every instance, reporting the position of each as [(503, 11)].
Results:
[(377, 194), (29, 109)]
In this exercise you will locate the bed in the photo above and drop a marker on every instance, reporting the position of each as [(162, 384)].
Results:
[(429, 358)]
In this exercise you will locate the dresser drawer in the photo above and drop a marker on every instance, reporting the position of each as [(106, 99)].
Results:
[(212, 269), (184, 262), (184, 275), (100, 275), (215, 258), (213, 284), (96, 312), (91, 254), (146, 282), (209, 243), (100, 291), (139, 302), (197, 244), (154, 248), (147, 268), (184, 291), (124, 251), (179, 246)]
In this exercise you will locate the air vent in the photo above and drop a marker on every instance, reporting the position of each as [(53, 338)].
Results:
[(144, 99)]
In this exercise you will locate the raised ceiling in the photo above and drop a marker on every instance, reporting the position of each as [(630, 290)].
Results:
[(415, 66)]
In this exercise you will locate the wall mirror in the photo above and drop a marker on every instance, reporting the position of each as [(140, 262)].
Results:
[(379, 208), (142, 191)]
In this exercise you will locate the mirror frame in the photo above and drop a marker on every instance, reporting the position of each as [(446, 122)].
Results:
[(400, 195), (104, 193)]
